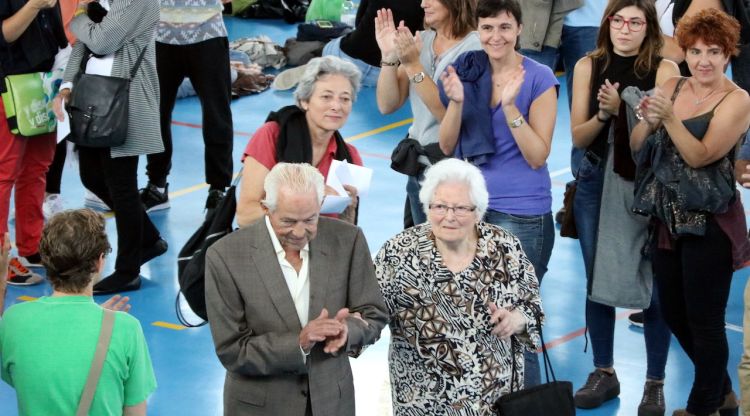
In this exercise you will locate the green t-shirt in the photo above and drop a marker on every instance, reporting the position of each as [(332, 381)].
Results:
[(46, 348)]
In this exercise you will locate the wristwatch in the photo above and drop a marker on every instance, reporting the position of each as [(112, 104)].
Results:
[(417, 78), (516, 122)]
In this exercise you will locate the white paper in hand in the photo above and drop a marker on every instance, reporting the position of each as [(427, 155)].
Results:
[(63, 127)]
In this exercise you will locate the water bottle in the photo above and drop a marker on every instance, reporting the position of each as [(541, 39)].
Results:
[(348, 12)]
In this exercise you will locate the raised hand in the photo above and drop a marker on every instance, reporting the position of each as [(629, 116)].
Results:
[(512, 87), (117, 303), (407, 45), (609, 98), (452, 85), (385, 35)]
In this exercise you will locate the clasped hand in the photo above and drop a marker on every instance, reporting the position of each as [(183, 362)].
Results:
[(333, 331), (506, 323), (609, 98)]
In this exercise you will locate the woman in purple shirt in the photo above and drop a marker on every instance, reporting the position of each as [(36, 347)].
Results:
[(500, 116)]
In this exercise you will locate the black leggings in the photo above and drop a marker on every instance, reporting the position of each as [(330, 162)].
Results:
[(694, 281), (54, 174)]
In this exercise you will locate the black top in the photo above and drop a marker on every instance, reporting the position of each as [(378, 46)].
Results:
[(620, 69), (35, 49), (361, 44)]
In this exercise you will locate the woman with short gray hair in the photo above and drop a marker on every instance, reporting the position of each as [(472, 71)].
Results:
[(457, 289), (307, 132)]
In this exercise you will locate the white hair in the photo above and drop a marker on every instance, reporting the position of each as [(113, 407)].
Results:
[(326, 65), (455, 171), (295, 177)]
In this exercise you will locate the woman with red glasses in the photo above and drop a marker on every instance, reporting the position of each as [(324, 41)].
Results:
[(627, 54)]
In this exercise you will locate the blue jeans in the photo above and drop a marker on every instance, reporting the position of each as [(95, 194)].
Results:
[(600, 318), (575, 43), (537, 236), (547, 56), (370, 73), (413, 186)]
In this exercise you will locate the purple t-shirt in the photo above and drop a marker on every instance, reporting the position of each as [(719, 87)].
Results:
[(514, 187)]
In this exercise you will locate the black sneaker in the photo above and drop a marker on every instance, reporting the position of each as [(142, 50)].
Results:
[(600, 387), (636, 319), (652, 403), (153, 199)]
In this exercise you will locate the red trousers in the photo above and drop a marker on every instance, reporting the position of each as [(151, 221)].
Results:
[(23, 165)]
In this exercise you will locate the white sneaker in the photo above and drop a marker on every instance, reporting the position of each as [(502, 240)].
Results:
[(94, 202), (53, 204), (289, 78)]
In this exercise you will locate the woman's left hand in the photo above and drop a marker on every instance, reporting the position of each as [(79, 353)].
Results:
[(609, 98), (512, 87), (408, 46), (506, 322)]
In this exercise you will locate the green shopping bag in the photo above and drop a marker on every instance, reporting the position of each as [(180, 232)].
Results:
[(28, 103), (324, 10)]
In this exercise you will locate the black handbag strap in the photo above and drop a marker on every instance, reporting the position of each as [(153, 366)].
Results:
[(88, 53), (547, 363)]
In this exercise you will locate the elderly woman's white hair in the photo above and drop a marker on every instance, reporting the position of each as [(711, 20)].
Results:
[(455, 171), (296, 177), (326, 65)]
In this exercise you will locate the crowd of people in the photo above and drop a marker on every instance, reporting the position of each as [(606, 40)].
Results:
[(656, 160)]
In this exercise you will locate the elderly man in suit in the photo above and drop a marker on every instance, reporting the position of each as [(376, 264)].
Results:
[(288, 298)]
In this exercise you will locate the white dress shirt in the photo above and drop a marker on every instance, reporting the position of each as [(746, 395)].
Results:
[(298, 283)]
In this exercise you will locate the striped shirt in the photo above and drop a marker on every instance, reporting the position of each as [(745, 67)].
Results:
[(184, 22)]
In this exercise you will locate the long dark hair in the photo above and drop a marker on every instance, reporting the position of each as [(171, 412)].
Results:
[(649, 51)]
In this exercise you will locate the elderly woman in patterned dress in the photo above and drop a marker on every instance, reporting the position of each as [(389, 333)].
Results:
[(462, 298)]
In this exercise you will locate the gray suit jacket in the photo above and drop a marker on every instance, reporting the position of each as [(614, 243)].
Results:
[(543, 22), (255, 325)]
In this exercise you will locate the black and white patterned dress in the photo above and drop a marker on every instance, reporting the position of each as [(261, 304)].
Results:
[(443, 359)]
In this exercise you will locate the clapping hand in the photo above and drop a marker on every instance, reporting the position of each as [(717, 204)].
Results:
[(512, 87), (385, 35), (609, 98), (408, 45), (452, 85), (506, 322), (659, 107)]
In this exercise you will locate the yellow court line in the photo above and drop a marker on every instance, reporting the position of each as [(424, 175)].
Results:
[(169, 326), (26, 298), (379, 130)]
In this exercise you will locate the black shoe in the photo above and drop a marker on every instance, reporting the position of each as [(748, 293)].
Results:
[(157, 249), (117, 282), (636, 319), (652, 403), (600, 387), (153, 199)]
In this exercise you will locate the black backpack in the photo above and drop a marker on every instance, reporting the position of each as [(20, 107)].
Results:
[(191, 261)]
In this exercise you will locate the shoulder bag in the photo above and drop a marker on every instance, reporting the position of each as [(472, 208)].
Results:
[(98, 107), (28, 103), (102, 346)]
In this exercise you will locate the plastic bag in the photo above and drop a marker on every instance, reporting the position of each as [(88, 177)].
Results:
[(324, 10)]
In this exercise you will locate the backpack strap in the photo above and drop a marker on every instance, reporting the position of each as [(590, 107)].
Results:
[(102, 346)]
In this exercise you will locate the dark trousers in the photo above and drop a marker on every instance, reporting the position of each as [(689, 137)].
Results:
[(54, 174), (115, 181), (206, 64), (694, 281)]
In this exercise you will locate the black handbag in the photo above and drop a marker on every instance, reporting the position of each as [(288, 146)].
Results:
[(98, 107), (551, 398), (191, 260)]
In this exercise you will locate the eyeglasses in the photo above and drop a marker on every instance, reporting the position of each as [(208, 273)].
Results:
[(458, 210), (617, 22)]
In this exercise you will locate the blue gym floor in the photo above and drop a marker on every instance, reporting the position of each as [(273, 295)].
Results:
[(189, 376)]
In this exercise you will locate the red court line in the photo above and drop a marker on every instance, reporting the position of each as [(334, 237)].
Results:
[(577, 333)]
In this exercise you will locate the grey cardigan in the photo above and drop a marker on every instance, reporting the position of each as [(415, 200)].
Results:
[(129, 27)]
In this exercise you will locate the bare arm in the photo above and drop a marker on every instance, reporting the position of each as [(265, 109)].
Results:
[(14, 26), (249, 208), (450, 127), (409, 50), (136, 410), (534, 138), (731, 119), (583, 128)]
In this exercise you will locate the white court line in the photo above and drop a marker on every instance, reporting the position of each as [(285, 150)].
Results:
[(559, 172)]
